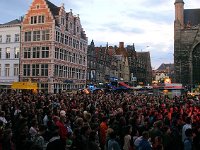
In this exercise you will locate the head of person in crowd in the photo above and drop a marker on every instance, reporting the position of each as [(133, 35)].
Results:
[(78, 122), (85, 130), (145, 135), (188, 120), (87, 116)]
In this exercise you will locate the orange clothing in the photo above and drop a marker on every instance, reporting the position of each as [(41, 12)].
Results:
[(103, 131)]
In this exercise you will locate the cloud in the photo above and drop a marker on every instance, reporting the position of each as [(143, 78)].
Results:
[(143, 22)]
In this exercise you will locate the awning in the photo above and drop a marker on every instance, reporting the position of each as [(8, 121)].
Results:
[(24, 85)]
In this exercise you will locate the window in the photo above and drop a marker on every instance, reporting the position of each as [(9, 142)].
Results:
[(73, 58), (35, 70), (62, 38), (70, 41), (65, 54), (16, 37), (33, 19), (44, 69), (66, 39), (8, 38), (0, 38), (0, 53), (45, 52), (56, 70), (16, 69), (73, 73), (36, 52), (57, 36), (64, 71), (27, 36), (16, 49), (81, 59), (61, 54), (63, 21), (37, 6), (81, 45), (57, 53), (7, 52), (60, 71), (71, 25), (36, 35), (74, 43), (45, 35), (40, 19), (26, 69), (70, 57), (7, 70), (27, 52), (77, 29)]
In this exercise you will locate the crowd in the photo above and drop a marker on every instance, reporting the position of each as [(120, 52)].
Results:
[(112, 121)]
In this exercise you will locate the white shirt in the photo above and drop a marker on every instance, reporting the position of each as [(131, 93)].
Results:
[(185, 127), (127, 140)]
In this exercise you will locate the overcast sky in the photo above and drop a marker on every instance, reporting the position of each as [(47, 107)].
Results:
[(146, 23)]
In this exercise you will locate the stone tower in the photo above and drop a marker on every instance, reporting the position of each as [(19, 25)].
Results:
[(179, 12), (186, 44)]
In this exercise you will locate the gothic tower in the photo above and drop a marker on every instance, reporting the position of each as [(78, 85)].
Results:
[(179, 12), (186, 44)]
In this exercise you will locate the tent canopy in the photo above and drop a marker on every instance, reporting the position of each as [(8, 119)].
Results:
[(24, 85)]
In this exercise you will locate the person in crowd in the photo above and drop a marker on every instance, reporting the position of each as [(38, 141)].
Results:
[(103, 130), (92, 145), (39, 138), (55, 143), (185, 127), (33, 131), (188, 141), (112, 143), (144, 143), (165, 119), (158, 143), (127, 138)]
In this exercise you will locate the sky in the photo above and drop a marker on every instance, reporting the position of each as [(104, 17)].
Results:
[(149, 24)]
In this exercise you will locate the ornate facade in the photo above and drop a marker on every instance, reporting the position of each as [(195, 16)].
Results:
[(53, 48)]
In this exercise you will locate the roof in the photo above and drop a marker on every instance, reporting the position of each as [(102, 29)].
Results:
[(165, 66), (192, 16), (13, 22), (54, 9)]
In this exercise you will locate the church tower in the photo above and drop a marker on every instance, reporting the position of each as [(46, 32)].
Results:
[(179, 12), (186, 44)]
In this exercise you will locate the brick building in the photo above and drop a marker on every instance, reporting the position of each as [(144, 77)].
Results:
[(144, 69), (53, 48), (186, 44)]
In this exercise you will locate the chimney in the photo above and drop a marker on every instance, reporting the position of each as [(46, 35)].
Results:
[(121, 44)]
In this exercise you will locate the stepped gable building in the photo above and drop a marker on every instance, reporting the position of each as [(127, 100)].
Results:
[(9, 53), (53, 48), (144, 69), (164, 70), (123, 64), (186, 44)]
